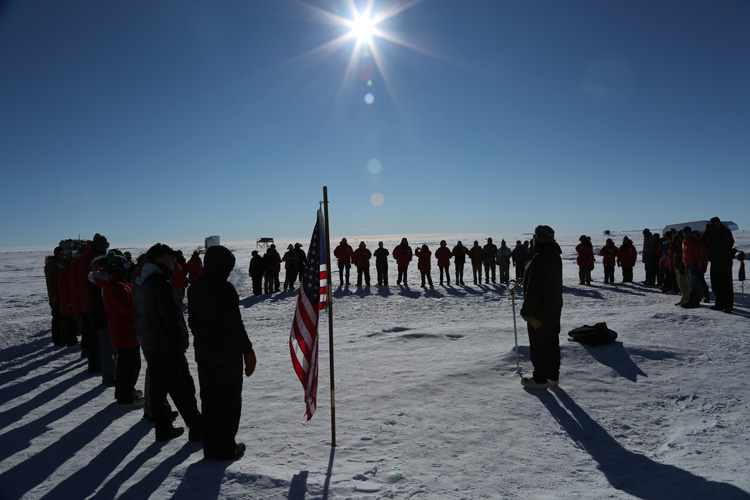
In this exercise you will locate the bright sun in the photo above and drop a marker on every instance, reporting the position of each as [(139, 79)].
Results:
[(362, 28)]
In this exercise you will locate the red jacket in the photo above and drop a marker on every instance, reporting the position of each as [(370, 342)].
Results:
[(403, 255), (81, 270), (627, 256), (120, 313), (476, 255), (609, 254), (585, 254), (362, 258), (178, 276), (63, 289), (443, 256), (424, 257), (344, 253), (194, 268), (692, 251)]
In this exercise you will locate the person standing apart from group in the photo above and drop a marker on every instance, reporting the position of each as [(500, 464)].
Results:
[(222, 351), (542, 308)]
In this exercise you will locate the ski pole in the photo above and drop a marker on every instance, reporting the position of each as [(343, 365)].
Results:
[(512, 290)]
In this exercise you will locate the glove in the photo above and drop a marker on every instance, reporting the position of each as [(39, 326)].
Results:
[(535, 323), (250, 362)]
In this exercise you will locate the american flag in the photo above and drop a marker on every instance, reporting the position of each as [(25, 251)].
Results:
[(303, 340)]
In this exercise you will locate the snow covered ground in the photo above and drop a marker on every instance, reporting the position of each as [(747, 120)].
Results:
[(428, 400)]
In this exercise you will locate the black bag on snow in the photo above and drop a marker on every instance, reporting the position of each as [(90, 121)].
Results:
[(594, 336)]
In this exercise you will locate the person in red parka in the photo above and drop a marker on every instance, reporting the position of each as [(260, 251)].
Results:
[(344, 253), (585, 259), (194, 267), (85, 290), (423, 264), (116, 294), (627, 256), (443, 256), (403, 255), (609, 257), (361, 259), (179, 278)]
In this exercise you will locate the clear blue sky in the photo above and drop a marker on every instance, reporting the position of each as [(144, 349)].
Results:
[(157, 120)]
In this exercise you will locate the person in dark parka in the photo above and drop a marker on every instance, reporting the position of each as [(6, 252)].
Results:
[(221, 346), (542, 308), (164, 340), (720, 248), (256, 272)]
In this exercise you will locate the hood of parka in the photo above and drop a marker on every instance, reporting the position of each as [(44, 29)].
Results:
[(218, 262)]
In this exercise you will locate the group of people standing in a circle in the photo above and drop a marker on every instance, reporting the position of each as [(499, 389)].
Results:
[(487, 257)]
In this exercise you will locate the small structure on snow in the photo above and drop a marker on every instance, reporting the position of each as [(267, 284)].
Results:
[(264, 242), (212, 240)]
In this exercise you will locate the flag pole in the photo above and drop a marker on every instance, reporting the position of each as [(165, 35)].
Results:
[(329, 303)]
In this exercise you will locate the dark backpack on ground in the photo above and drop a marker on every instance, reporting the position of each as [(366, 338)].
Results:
[(594, 336)]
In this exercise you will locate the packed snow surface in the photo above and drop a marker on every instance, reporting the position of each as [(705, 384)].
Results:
[(428, 403)]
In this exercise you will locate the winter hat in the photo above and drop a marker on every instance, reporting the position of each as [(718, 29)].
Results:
[(343, 241), (459, 244), (290, 247), (443, 243), (582, 238), (489, 240), (380, 243), (361, 244), (254, 252), (715, 220), (404, 242), (100, 242), (158, 250), (544, 234), (116, 261), (425, 247)]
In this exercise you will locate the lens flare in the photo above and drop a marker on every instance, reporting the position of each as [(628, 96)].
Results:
[(369, 98), (377, 199), (374, 166)]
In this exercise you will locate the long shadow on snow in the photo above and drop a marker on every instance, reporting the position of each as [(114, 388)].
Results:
[(81, 483), (591, 293), (11, 377), (147, 485), (21, 354), (202, 480), (26, 475), (625, 470), (10, 393), (19, 438), (615, 356)]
